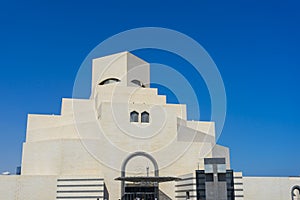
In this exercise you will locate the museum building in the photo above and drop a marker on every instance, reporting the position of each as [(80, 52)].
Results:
[(126, 142)]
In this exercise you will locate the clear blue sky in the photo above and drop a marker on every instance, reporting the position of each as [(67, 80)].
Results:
[(255, 45)]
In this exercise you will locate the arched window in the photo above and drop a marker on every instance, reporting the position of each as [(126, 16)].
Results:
[(145, 117), (109, 81), (134, 116), (296, 193), (137, 82)]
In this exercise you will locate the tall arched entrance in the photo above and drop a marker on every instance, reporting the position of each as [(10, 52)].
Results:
[(139, 190), (141, 187)]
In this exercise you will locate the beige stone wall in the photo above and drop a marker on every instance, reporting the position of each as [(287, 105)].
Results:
[(275, 188), (28, 187)]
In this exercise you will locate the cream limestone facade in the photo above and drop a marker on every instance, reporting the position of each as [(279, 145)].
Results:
[(125, 129)]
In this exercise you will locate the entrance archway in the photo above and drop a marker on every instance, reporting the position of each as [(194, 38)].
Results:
[(133, 155)]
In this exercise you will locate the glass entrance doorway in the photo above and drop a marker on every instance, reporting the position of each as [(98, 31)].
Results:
[(141, 192), (142, 187)]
